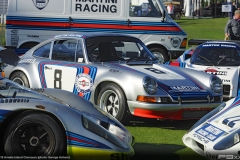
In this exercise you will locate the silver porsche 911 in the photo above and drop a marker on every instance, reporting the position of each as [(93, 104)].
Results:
[(52, 122), (118, 73)]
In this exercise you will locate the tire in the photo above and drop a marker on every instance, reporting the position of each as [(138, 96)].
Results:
[(119, 108), (20, 78), (177, 15), (160, 53), (29, 45), (34, 134)]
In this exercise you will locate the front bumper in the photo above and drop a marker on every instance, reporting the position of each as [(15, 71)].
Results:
[(182, 111)]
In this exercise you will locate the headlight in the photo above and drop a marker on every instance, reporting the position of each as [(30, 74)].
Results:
[(216, 84), (108, 131), (150, 85), (228, 141)]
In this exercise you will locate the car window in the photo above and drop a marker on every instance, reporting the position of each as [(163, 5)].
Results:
[(216, 56), (43, 51), (144, 9), (117, 49), (64, 50)]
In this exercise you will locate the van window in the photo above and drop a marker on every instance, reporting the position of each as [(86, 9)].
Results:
[(64, 50), (149, 8), (43, 51)]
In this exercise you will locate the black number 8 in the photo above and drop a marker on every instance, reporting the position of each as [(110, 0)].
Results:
[(58, 78)]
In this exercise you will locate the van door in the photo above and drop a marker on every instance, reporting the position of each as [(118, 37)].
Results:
[(97, 16), (148, 20), (33, 21)]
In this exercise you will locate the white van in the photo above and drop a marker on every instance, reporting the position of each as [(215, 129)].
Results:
[(32, 21)]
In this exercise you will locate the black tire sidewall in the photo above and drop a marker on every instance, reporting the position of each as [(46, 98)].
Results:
[(60, 147), (123, 113), (21, 76)]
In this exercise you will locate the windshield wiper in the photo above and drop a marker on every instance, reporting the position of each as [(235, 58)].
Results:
[(205, 59)]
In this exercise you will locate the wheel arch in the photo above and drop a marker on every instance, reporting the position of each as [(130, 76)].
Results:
[(27, 43), (24, 72), (5, 123), (101, 85)]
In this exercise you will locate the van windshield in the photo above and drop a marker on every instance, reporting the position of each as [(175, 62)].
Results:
[(144, 8)]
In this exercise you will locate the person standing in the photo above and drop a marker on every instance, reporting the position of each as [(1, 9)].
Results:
[(170, 9), (234, 8), (232, 29)]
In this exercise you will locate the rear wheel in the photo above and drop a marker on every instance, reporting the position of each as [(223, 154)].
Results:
[(112, 100), (20, 78), (177, 15), (34, 134), (160, 53)]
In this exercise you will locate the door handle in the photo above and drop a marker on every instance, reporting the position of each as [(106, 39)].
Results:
[(128, 23), (46, 67)]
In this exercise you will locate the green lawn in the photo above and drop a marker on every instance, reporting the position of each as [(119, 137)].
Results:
[(210, 28)]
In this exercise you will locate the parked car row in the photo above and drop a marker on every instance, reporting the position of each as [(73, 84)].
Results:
[(101, 80)]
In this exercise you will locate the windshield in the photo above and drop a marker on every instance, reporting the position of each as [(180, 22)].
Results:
[(121, 49), (216, 56)]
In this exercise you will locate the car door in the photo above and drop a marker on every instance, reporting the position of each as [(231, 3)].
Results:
[(67, 70)]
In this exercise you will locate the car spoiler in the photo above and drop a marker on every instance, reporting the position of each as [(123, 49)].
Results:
[(200, 41), (8, 56)]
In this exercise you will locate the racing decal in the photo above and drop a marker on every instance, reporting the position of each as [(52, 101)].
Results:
[(209, 132), (176, 63), (235, 103), (184, 75), (230, 121), (215, 72), (40, 4), (175, 41), (184, 88), (27, 61), (73, 77), (85, 6), (226, 80), (93, 25), (79, 140), (83, 83), (200, 138), (14, 37), (155, 70), (218, 45), (115, 71)]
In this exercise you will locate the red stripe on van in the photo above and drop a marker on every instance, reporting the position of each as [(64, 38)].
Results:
[(79, 25)]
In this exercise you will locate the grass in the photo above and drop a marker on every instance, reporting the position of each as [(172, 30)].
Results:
[(210, 28)]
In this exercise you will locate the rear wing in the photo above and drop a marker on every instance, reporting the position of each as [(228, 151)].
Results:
[(200, 41)]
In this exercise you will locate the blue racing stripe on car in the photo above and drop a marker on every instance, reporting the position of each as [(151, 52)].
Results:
[(79, 140), (235, 103)]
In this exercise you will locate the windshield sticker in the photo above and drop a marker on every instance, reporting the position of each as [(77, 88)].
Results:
[(83, 83), (155, 70), (210, 132), (40, 4), (27, 61), (218, 45), (216, 72)]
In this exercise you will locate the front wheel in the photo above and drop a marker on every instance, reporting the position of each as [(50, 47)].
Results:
[(177, 15), (34, 134), (20, 78), (160, 53), (112, 100)]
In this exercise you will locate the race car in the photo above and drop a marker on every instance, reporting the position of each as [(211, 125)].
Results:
[(53, 122), (217, 134), (118, 73), (220, 58)]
